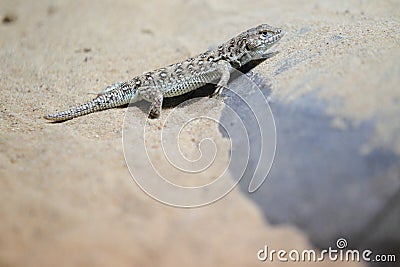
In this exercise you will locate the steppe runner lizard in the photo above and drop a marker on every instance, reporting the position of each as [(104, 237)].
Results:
[(180, 78)]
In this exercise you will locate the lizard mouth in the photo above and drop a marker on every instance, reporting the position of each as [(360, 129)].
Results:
[(266, 43), (276, 37)]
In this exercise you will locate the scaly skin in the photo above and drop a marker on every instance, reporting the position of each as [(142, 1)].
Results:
[(183, 77)]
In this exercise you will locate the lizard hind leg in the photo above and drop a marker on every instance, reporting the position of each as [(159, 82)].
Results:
[(155, 108), (155, 96)]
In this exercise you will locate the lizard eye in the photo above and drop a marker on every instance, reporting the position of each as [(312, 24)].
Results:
[(265, 35)]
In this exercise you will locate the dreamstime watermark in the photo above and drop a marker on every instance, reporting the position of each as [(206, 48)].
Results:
[(340, 253), (156, 157)]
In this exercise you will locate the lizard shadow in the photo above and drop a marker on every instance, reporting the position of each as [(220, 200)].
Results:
[(203, 91)]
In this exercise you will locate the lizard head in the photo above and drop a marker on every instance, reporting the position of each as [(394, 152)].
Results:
[(259, 39)]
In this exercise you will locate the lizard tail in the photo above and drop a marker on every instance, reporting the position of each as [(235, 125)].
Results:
[(105, 101)]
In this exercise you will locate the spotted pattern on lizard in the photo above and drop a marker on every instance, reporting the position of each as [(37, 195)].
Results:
[(180, 78)]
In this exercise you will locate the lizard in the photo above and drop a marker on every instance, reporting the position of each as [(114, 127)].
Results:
[(180, 78)]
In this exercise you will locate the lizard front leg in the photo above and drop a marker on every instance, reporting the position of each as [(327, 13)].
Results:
[(222, 68), (153, 95)]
